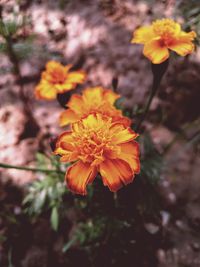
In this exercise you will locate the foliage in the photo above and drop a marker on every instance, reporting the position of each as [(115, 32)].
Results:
[(46, 193), (151, 162)]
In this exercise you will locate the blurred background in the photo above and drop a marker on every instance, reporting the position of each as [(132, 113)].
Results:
[(153, 222)]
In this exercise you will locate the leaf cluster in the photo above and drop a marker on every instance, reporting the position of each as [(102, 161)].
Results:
[(46, 193)]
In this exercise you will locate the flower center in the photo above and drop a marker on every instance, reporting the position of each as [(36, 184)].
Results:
[(166, 29), (93, 145), (58, 75)]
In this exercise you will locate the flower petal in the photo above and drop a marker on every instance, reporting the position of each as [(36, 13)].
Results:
[(75, 103), (121, 134), (92, 121), (65, 87), (68, 116), (123, 120), (155, 52), (64, 138), (130, 153), (93, 95), (110, 97), (46, 91), (76, 77), (182, 49), (116, 173), (183, 45), (69, 157), (143, 35), (78, 176)]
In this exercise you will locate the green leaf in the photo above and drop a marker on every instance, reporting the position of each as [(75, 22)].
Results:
[(152, 161), (42, 160), (68, 245), (54, 218), (40, 200)]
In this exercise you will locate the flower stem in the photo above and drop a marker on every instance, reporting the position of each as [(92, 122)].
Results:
[(158, 71), (8, 166), (146, 110)]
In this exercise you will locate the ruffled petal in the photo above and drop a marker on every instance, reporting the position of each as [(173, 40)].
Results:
[(182, 49), (116, 173), (188, 36), (130, 153), (122, 135), (78, 176), (76, 76), (45, 91), (69, 157), (65, 87), (64, 138), (143, 35), (93, 121), (76, 103), (125, 121), (183, 45), (65, 147), (155, 52), (93, 95), (110, 97), (67, 152), (68, 116)]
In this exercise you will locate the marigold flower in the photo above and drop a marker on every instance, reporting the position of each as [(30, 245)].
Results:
[(93, 100), (97, 144), (161, 36), (57, 79)]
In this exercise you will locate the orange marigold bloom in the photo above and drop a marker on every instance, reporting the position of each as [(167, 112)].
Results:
[(161, 36), (57, 79), (97, 144), (93, 100)]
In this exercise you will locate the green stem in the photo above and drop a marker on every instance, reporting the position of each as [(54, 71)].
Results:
[(158, 71), (146, 110), (8, 166)]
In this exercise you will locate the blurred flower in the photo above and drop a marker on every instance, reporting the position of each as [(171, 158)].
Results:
[(97, 144), (161, 36), (93, 100), (57, 79)]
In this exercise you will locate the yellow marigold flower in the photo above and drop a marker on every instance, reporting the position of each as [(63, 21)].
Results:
[(97, 144), (57, 79), (93, 100), (161, 36)]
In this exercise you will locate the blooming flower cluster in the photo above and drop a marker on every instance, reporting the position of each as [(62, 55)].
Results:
[(100, 139)]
